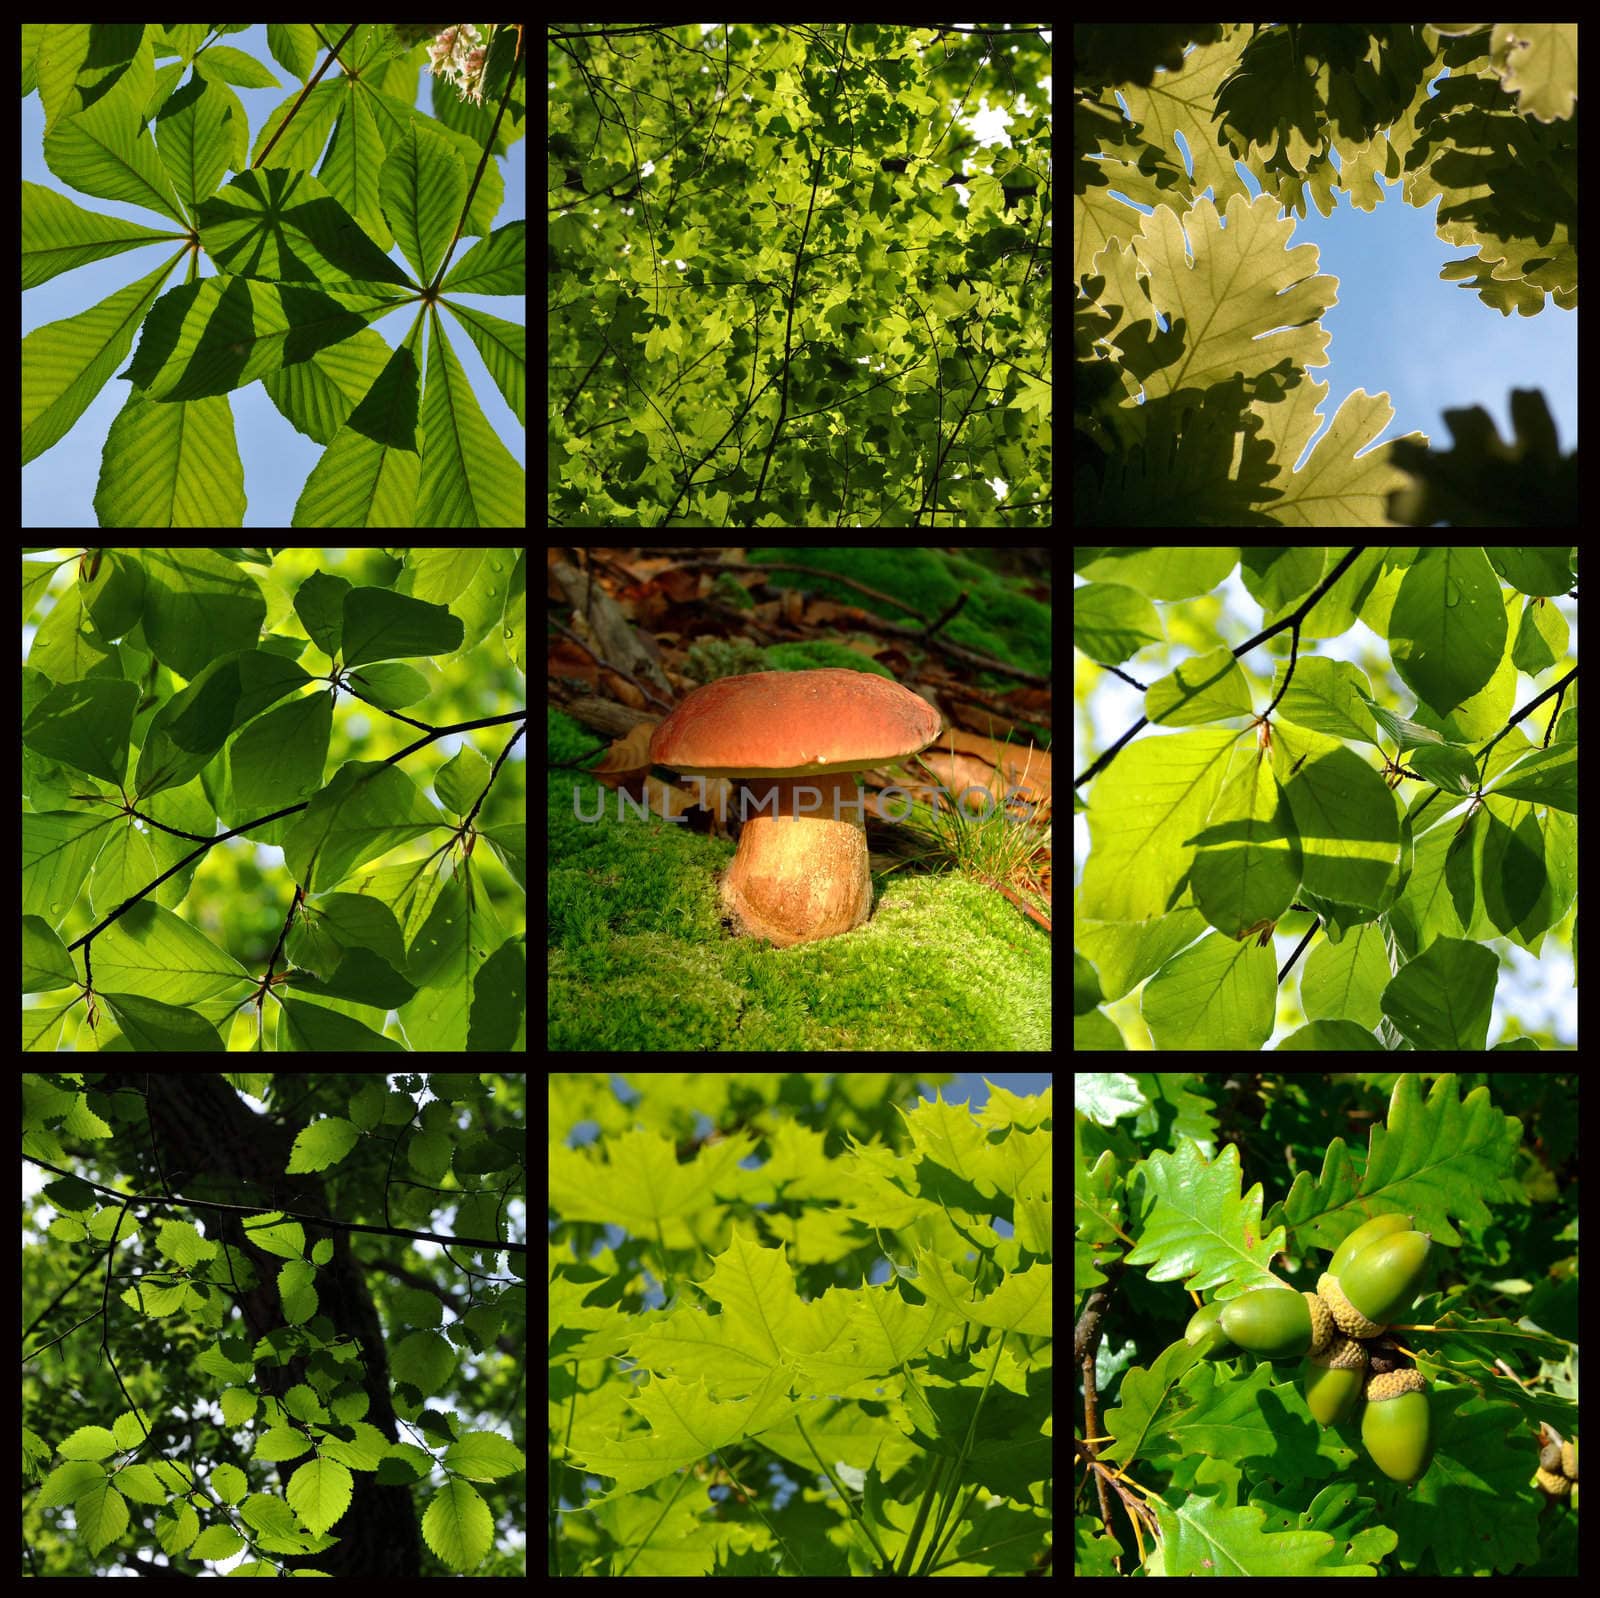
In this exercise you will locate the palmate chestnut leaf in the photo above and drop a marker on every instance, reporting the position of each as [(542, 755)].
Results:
[(301, 265)]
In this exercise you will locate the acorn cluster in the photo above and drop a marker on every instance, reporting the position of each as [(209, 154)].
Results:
[(1372, 1279), (1558, 1465)]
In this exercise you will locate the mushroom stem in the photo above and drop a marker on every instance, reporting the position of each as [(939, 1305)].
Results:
[(801, 869)]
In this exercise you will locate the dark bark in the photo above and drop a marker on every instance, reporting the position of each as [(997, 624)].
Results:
[(212, 1145)]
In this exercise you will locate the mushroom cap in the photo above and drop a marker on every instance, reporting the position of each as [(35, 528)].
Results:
[(793, 724)]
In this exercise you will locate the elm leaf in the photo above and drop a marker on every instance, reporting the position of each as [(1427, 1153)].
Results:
[(319, 1493), (322, 1144), (458, 1526), (89, 1442), (484, 1456), (102, 1515)]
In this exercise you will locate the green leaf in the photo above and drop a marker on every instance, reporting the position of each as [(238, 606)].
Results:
[(447, 960), (495, 265), (153, 1027), (86, 724), (380, 624), (191, 728), (176, 1531), (217, 1542), (100, 150), (278, 759), (295, 1291), (65, 364), (504, 348), (199, 606), (284, 226), (141, 1484), (390, 685), (423, 187), (484, 1456), (319, 603), (66, 1484), (221, 333), (237, 67), (683, 1423), (1022, 1303), (469, 478), (171, 466), (281, 1443), (274, 1235), (458, 1526), (238, 1406), (320, 1493), (462, 779), (58, 235), (313, 1029), (102, 1516), (89, 1442), (424, 1360), (196, 137), (46, 965), (499, 1000), (369, 473), (428, 1154), (229, 1483), (365, 811), (150, 951), (322, 1144)]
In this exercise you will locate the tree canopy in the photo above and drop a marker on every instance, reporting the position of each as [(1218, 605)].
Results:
[(273, 1323), (1197, 325), (790, 285)]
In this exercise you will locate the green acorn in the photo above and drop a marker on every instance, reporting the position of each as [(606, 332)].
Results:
[(1332, 1380), (1396, 1425), (1204, 1333), (1368, 1232), (1278, 1323), (1379, 1280)]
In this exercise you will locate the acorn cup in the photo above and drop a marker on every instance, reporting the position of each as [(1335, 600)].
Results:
[(1278, 1323), (1396, 1425), (1376, 1282)]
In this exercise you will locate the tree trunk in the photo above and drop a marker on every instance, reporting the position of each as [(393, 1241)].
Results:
[(212, 1145)]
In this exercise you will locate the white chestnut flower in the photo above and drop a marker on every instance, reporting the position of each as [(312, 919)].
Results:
[(458, 54)]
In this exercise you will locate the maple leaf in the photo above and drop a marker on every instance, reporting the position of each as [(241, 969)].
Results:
[(683, 1423), (763, 1326), (643, 1187)]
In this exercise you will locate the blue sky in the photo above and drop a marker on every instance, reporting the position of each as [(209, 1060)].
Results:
[(58, 488), (1432, 346)]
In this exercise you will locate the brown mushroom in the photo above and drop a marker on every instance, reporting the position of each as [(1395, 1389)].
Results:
[(795, 741)]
